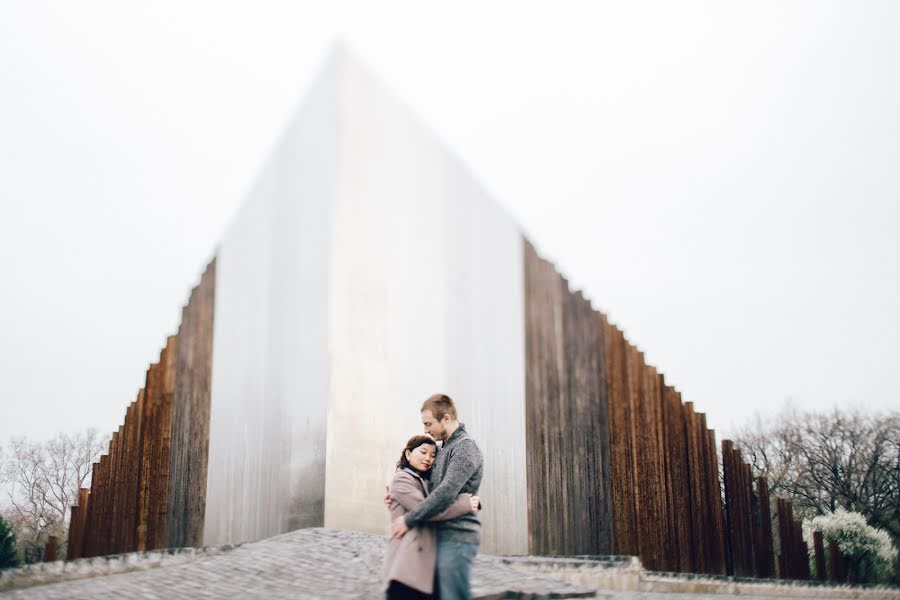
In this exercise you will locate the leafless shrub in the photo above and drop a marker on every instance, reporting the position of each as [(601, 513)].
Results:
[(822, 461), (42, 481)]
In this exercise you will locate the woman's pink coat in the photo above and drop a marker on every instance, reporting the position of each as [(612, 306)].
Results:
[(411, 558)]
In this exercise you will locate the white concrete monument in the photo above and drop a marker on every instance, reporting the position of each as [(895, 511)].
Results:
[(365, 271)]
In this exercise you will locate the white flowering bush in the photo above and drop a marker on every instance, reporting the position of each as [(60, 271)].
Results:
[(868, 550)]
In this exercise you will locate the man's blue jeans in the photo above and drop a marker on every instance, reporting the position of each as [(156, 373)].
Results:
[(454, 566)]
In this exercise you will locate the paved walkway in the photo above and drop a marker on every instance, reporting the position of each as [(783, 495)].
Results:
[(308, 563)]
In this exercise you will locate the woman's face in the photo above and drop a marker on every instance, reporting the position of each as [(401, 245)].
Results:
[(421, 457)]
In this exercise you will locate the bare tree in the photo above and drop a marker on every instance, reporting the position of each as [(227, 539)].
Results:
[(822, 461), (43, 479)]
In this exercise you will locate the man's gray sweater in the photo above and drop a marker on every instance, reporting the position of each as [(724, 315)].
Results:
[(457, 470)]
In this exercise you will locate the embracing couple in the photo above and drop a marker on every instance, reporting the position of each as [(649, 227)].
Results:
[(432, 499)]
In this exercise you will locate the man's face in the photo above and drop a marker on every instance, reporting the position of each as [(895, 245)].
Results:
[(433, 427)]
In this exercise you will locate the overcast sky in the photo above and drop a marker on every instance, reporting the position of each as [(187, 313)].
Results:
[(722, 179)]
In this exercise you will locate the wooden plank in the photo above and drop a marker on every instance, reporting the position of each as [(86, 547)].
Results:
[(127, 491), (699, 519), (89, 519), (72, 541), (148, 439), (177, 513), (787, 533), (134, 472), (540, 387), (159, 472), (764, 552), (149, 475), (710, 500), (93, 520), (123, 500), (108, 488), (153, 474), (819, 546), (622, 480), (554, 367), (730, 506), (791, 554), (115, 481), (717, 537), (84, 501), (802, 553), (680, 473), (643, 469), (748, 500), (632, 397), (200, 386), (601, 489), (667, 552), (835, 563), (666, 483), (573, 445), (179, 407), (103, 507), (50, 549), (652, 471), (597, 495), (738, 508), (783, 540)]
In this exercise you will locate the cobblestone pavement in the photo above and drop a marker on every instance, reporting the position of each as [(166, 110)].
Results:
[(309, 563)]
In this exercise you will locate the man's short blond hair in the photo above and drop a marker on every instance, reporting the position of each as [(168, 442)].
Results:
[(440, 405)]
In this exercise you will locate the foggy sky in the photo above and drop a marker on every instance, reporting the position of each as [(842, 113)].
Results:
[(720, 178)]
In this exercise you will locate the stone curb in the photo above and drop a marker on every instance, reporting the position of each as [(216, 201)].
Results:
[(626, 574), (720, 584), (82, 568)]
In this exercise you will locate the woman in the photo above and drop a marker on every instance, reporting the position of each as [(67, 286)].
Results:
[(409, 560)]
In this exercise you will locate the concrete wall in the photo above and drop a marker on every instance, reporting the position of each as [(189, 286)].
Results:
[(270, 375), (426, 295), (365, 271)]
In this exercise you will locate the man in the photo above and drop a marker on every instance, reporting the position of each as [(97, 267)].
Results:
[(457, 470)]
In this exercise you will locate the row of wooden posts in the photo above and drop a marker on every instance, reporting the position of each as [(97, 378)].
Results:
[(126, 509), (751, 546), (689, 523), (148, 490), (618, 464)]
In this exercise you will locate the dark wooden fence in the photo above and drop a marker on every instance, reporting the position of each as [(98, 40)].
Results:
[(148, 490), (568, 458), (617, 463)]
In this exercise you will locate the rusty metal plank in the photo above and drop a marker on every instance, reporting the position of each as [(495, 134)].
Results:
[(200, 377), (764, 551), (621, 448), (836, 563), (148, 439), (717, 539), (819, 546), (115, 480), (50, 548)]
